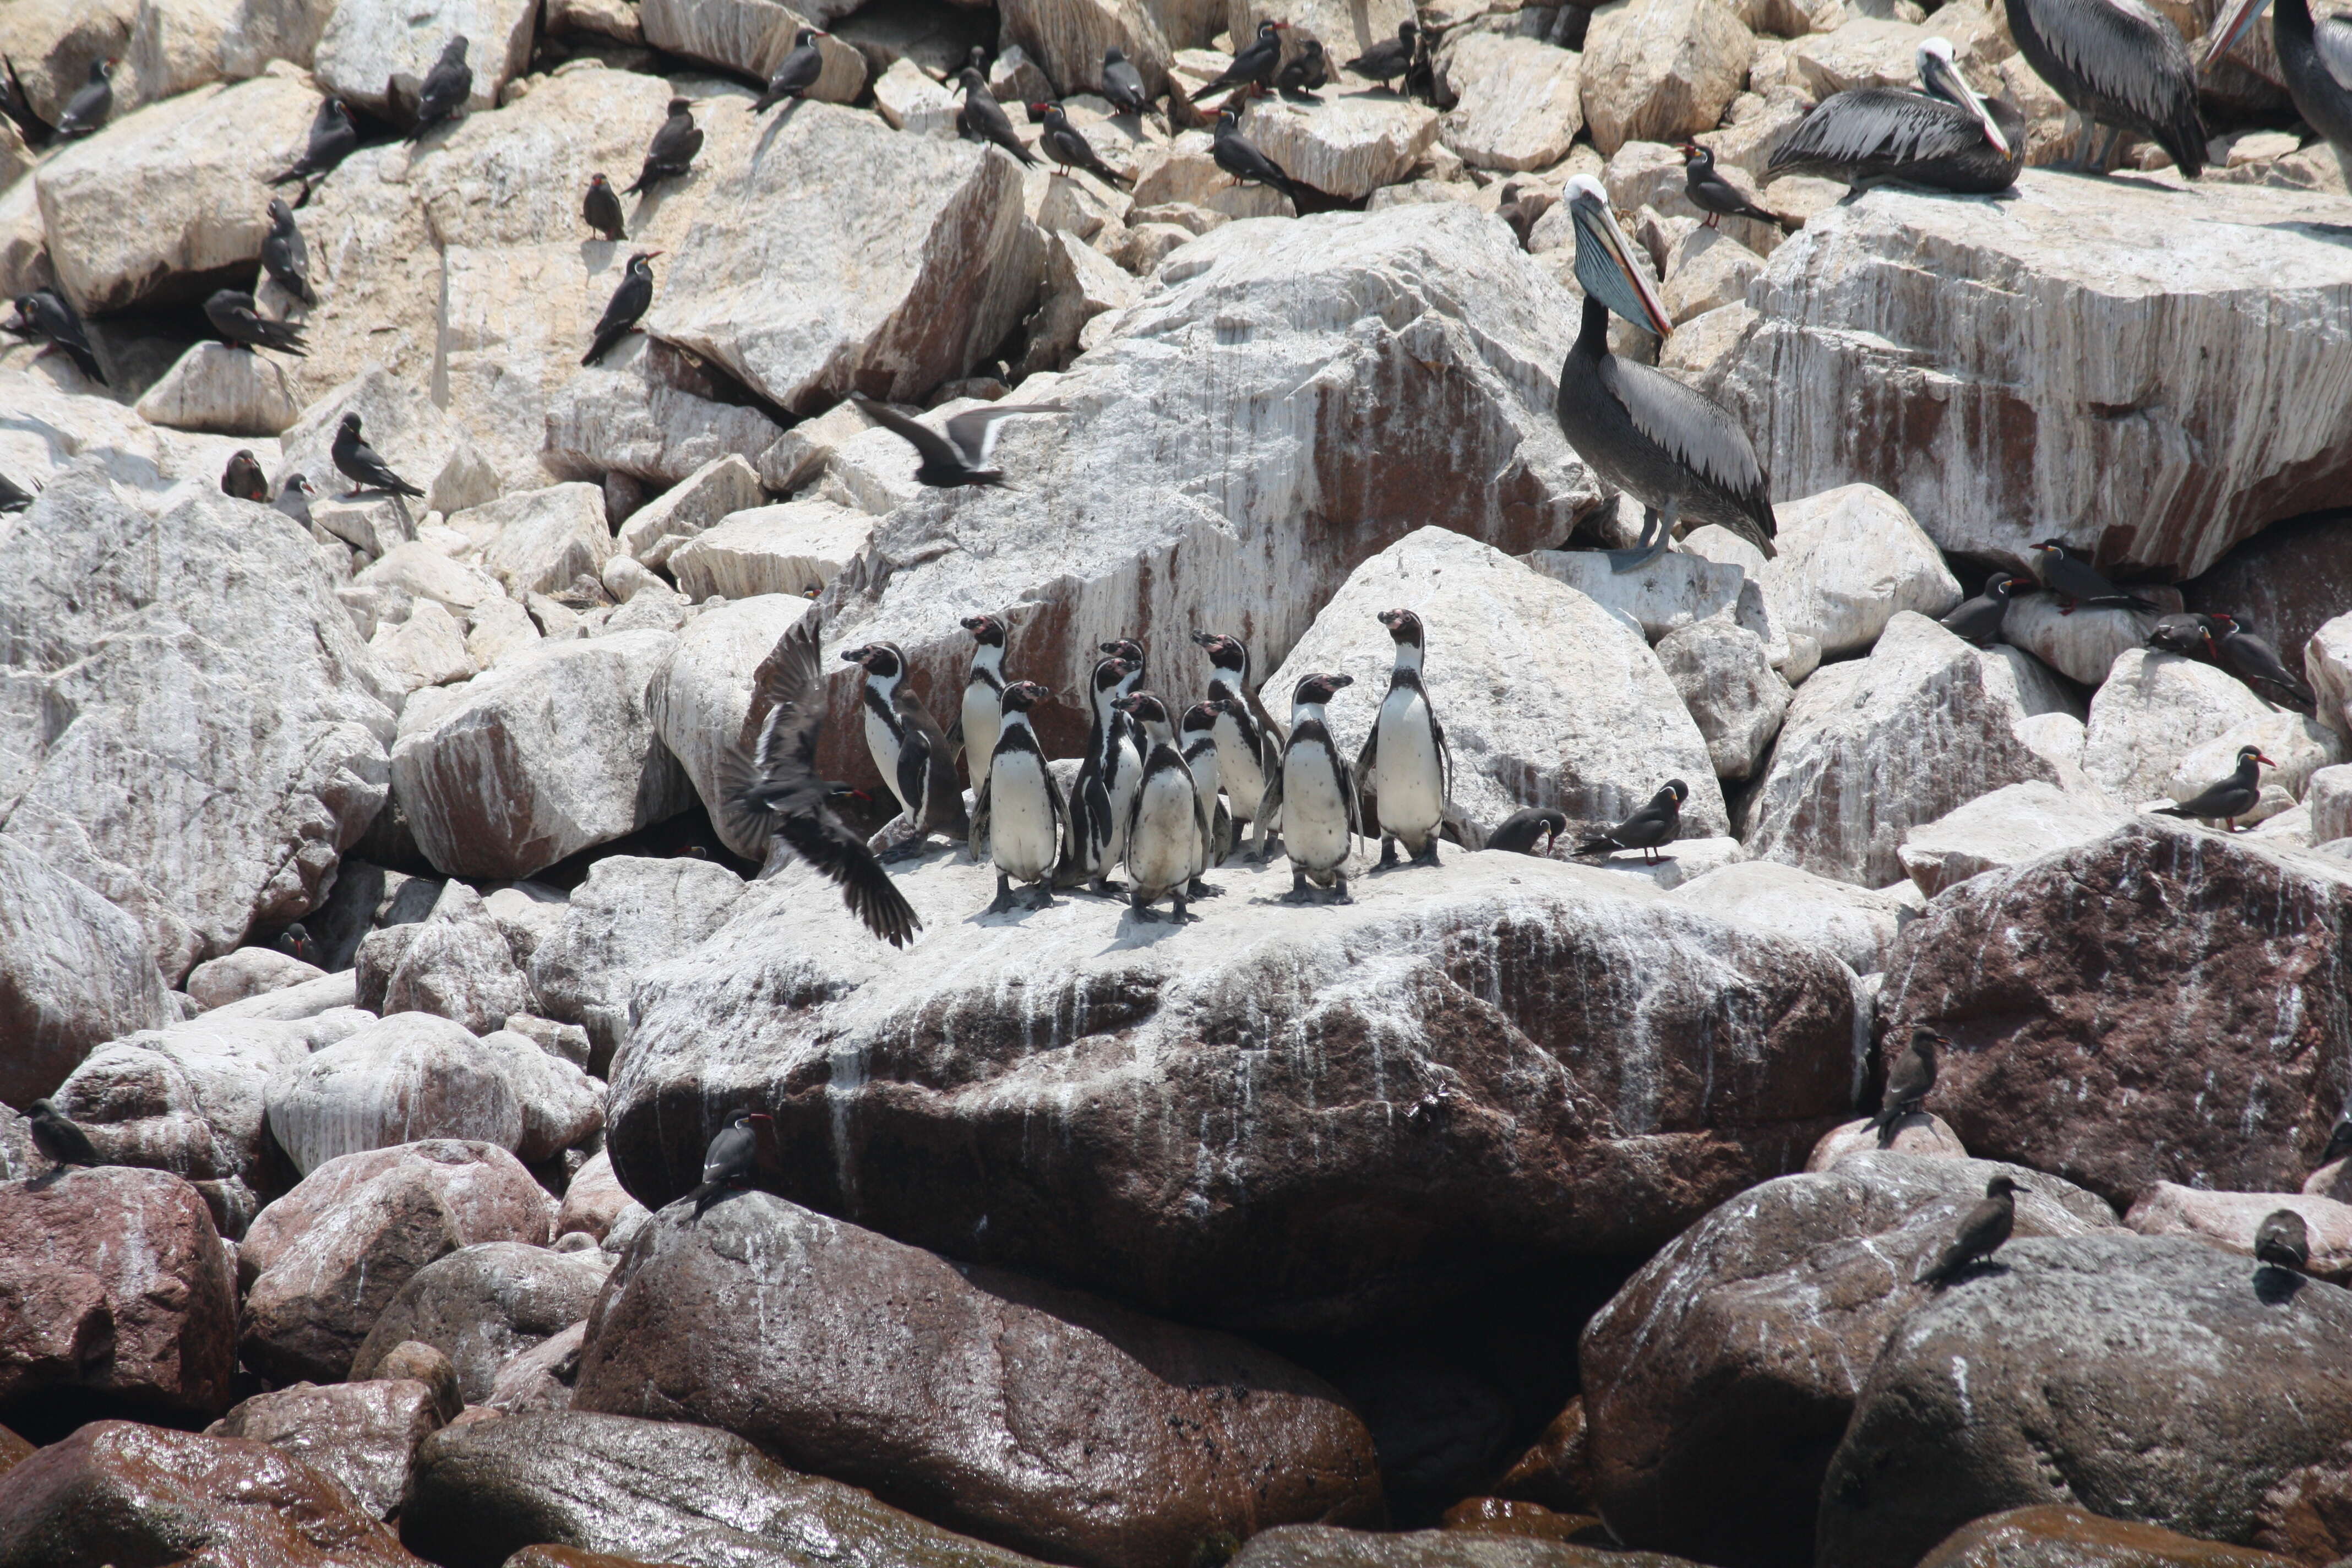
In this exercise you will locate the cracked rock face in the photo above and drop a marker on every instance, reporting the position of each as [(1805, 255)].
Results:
[(1278, 1117)]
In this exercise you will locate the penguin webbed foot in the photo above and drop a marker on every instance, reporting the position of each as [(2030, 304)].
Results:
[(1340, 894), (905, 850), (1107, 888), (1041, 897), (1003, 903), (1300, 893), (1428, 856), (1197, 889), (1388, 851)]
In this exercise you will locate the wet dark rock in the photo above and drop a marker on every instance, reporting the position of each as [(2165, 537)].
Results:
[(482, 1305)]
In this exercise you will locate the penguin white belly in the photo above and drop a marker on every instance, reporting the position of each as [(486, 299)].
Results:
[(1125, 778), (1204, 794), (884, 745), (1245, 778), (1407, 774), (1314, 814), (1162, 851), (984, 710), (1021, 837)]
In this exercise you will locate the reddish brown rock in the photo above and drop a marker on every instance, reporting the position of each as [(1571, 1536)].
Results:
[(2152, 1379), (542, 1377), (652, 1492), (14, 1451), (113, 1283), (363, 1434), (1508, 1516), (1556, 1471), (75, 971), (2056, 1535), (573, 1557), (322, 1263), (1320, 1546), (1260, 1122), (2158, 1004), (116, 1492), (1047, 1420), (1717, 1381), (483, 1305)]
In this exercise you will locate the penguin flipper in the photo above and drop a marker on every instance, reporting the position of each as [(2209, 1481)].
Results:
[(979, 820)]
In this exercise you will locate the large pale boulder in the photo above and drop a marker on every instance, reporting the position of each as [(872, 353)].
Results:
[(652, 1491), (630, 914), (2014, 823), (1725, 674), (645, 411), (1348, 146), (551, 752), (1874, 747), (793, 549), (322, 1263), (1657, 69), (2157, 1004), (2298, 748), (75, 972), (751, 36), (714, 491), (1679, 589), (2081, 644), (1851, 560), (147, 749), (1856, 923), (805, 289), (2140, 1377), (2154, 710), (50, 43), (704, 693), (1348, 27), (1545, 698), (225, 390), (1441, 1151), (1067, 37), (259, 31), (455, 963), (2229, 1220), (2127, 284), (379, 272), (537, 541), (141, 211), (1520, 102), (735, 1320), (1717, 1380), (413, 1076), (113, 1284), (61, 423), (1337, 381), (373, 54)]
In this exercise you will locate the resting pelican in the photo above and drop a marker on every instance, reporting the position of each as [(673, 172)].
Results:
[(2315, 59), (2116, 64), (1673, 450), (1947, 136)]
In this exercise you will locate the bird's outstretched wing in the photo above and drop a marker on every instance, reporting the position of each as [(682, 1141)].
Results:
[(934, 446), (772, 789), (973, 432)]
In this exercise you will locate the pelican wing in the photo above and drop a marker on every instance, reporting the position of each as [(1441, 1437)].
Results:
[(2334, 41), (1873, 122), (1691, 427), (2122, 49)]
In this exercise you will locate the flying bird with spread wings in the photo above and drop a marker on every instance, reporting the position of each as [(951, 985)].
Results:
[(769, 789)]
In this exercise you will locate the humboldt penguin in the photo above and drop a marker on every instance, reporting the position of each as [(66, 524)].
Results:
[(1982, 1231), (1126, 772), (1249, 743), (1163, 821), (731, 1159), (1404, 771), (2229, 799), (1027, 816), (1908, 1083), (909, 747), (1316, 795), (1196, 737), (2340, 1140), (1095, 835), (1520, 830), (1653, 826), (983, 696)]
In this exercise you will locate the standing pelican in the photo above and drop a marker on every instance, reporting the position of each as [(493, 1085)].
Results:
[(2315, 59), (1947, 137), (2118, 64), (1674, 450)]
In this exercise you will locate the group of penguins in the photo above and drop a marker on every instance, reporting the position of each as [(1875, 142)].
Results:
[(1165, 795), (2223, 638), (2282, 1242)]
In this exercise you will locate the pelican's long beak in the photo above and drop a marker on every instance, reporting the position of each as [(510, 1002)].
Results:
[(1942, 77), (1604, 266), (2230, 29)]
